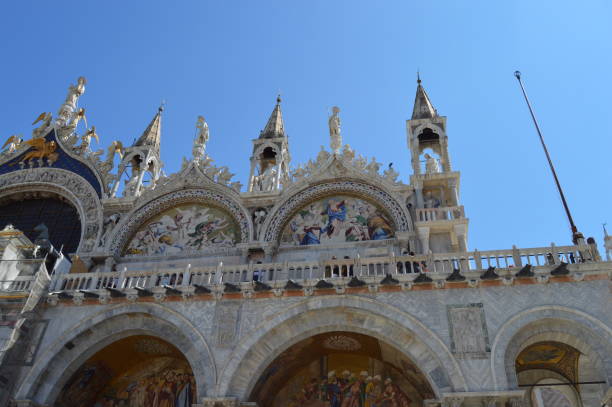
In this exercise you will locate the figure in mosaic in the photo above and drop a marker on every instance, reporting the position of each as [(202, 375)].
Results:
[(185, 227), (337, 219)]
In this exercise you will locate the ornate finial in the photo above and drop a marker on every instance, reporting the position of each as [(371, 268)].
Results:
[(278, 98), (162, 106), (418, 77)]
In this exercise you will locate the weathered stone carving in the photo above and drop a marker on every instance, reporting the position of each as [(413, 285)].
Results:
[(468, 330)]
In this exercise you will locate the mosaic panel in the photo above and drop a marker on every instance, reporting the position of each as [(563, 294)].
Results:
[(185, 227), (340, 218)]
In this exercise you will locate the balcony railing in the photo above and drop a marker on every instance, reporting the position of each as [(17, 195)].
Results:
[(442, 213), (363, 268), (17, 285)]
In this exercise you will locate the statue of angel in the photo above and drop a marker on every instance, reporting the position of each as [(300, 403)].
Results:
[(69, 106), (13, 143), (86, 140), (77, 117), (45, 119), (116, 147), (334, 130), (201, 138), (431, 165)]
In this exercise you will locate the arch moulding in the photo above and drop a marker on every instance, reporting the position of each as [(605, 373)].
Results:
[(263, 344), (566, 325), (130, 222), (66, 184), (55, 367), (284, 210)]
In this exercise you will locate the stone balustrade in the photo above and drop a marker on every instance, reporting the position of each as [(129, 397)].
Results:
[(440, 214), (17, 285), (403, 269)]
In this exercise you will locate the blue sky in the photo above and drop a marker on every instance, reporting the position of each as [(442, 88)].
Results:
[(227, 60)]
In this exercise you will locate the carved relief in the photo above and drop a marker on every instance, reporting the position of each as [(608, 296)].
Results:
[(227, 316), (468, 329)]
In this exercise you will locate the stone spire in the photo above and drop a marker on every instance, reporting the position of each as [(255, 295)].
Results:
[(275, 127), (423, 109), (152, 135)]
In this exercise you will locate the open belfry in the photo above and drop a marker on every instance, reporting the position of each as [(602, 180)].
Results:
[(329, 283)]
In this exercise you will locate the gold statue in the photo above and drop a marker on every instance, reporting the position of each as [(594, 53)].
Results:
[(13, 143), (45, 118), (42, 149)]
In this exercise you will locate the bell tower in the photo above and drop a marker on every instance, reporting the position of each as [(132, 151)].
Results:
[(439, 218), (270, 159)]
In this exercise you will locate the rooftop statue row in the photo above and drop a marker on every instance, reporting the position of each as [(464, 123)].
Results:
[(142, 164)]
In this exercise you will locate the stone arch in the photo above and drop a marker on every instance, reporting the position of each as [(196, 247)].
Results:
[(282, 212), (64, 357), (264, 343), (66, 184), (130, 223), (572, 327)]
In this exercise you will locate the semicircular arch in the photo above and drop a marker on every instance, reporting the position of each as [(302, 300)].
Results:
[(134, 220), (283, 211), (264, 343), (561, 324), (66, 184), (55, 367)]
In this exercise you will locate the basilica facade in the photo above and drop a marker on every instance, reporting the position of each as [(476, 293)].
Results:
[(326, 284)]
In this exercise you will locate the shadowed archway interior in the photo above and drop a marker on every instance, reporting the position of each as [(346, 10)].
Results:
[(137, 371), (28, 210), (341, 369)]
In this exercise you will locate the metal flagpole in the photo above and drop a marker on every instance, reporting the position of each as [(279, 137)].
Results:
[(576, 235)]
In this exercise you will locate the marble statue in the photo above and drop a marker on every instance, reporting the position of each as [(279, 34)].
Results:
[(201, 138), (431, 165), (334, 130), (74, 92), (259, 216), (109, 224), (84, 148)]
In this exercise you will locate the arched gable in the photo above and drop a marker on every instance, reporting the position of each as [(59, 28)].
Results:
[(222, 208), (286, 209)]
